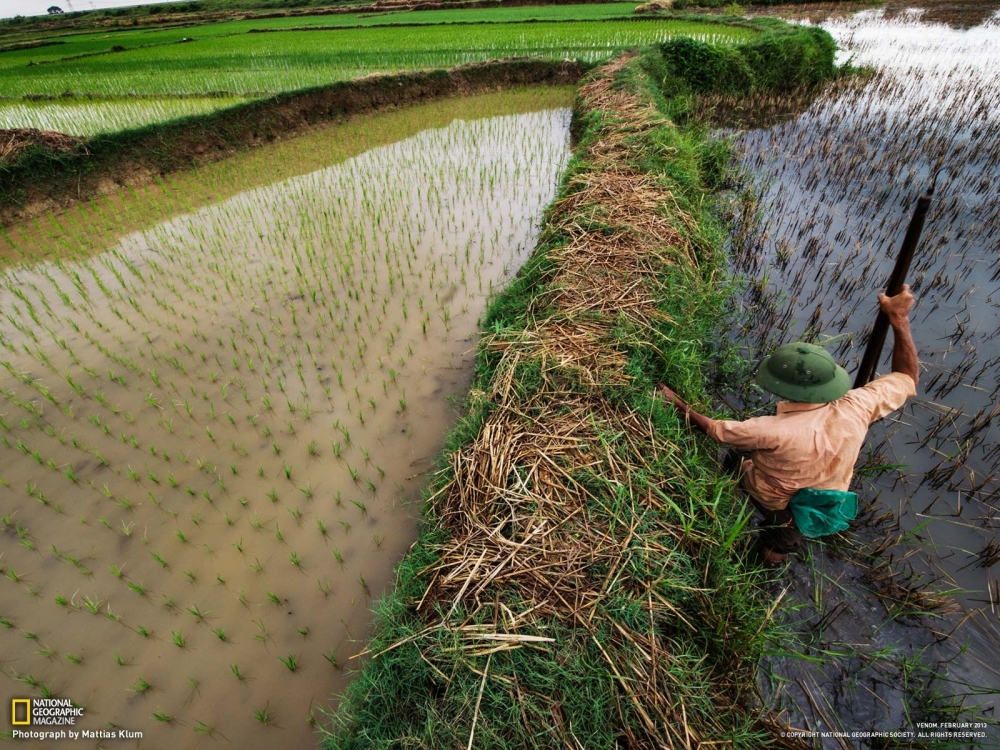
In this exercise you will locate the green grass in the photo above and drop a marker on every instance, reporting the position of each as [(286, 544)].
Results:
[(258, 64), (429, 685)]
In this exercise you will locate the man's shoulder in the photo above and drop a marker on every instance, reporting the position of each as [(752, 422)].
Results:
[(893, 383), (882, 395)]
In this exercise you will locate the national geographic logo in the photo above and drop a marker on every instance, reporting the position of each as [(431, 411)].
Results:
[(20, 712), (31, 712)]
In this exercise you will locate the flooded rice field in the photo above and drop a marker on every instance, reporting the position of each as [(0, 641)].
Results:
[(215, 428), (832, 192), (90, 117)]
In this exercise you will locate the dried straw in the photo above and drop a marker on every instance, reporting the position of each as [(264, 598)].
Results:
[(520, 507), (15, 141)]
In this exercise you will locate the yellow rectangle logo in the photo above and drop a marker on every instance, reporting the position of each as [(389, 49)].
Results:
[(20, 706)]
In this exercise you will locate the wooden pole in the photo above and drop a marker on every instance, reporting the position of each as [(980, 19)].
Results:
[(876, 339)]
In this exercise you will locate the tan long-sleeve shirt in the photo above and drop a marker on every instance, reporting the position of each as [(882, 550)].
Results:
[(810, 445)]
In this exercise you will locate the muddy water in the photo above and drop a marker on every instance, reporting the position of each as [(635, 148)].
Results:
[(215, 432), (837, 186)]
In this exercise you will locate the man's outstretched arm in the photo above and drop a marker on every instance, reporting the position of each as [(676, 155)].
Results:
[(904, 351), (698, 420)]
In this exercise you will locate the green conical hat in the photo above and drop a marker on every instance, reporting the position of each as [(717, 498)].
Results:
[(803, 372)]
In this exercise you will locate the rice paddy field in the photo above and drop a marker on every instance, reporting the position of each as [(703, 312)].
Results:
[(83, 117), (93, 74), (221, 397), (222, 392), (834, 188)]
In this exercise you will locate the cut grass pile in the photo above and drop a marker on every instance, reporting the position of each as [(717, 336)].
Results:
[(581, 578)]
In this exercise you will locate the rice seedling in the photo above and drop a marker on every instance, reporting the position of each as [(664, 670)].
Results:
[(163, 717), (140, 686), (137, 588), (290, 662), (177, 637), (332, 658), (195, 612), (263, 715)]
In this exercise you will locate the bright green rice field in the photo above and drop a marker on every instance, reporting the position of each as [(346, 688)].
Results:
[(224, 60)]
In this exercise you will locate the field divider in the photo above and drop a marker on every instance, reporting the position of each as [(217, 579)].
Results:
[(574, 513), (38, 179)]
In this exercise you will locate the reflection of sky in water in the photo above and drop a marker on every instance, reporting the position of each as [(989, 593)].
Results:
[(441, 190), (840, 184)]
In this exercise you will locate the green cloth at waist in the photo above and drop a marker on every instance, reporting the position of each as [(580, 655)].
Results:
[(823, 512)]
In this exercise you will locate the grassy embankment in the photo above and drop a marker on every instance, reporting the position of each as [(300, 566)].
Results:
[(581, 578), (41, 178)]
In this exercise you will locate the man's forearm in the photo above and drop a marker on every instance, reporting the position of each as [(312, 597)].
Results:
[(700, 421), (904, 351)]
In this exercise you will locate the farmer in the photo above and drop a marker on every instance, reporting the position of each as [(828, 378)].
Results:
[(815, 438)]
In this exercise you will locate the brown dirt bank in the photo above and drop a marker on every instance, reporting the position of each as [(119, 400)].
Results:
[(43, 179)]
